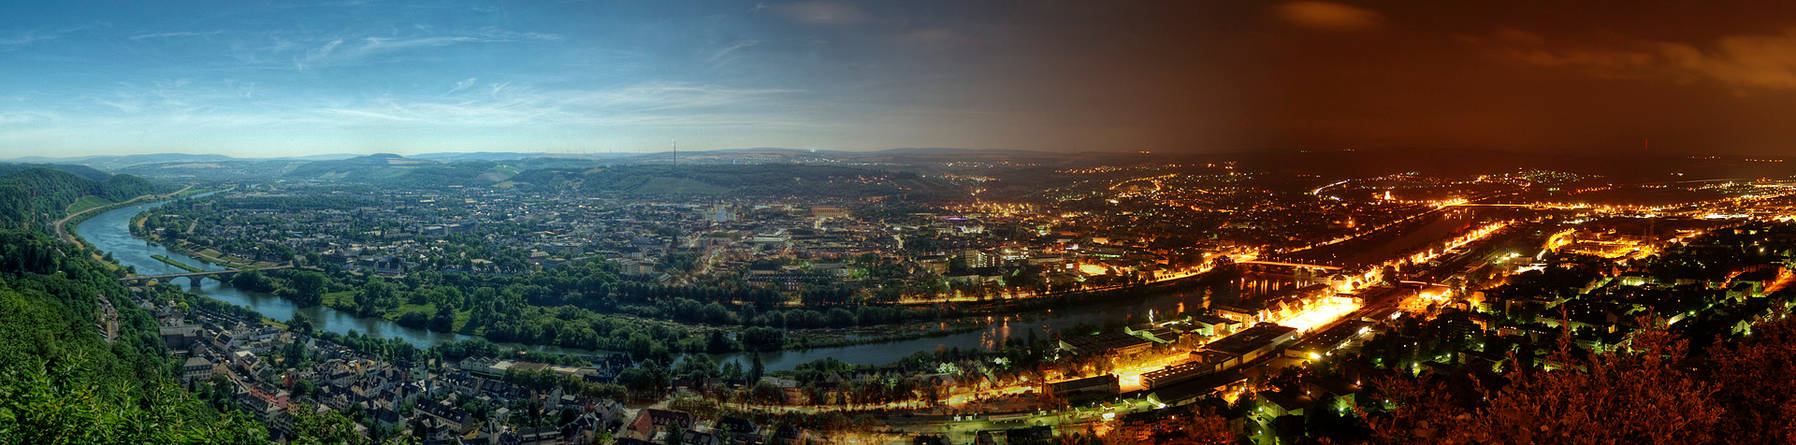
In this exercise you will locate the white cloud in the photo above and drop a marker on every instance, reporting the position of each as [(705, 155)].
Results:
[(121, 105), (727, 54), (240, 113), (347, 50), (24, 117), (174, 34), (672, 96), (462, 85), (647, 104), (366, 114), (24, 39)]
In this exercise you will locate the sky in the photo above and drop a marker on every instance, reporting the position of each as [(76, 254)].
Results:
[(248, 78)]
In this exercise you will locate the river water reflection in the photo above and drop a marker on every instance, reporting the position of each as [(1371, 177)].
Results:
[(110, 232)]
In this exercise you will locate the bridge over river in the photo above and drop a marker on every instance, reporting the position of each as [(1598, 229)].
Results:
[(193, 278)]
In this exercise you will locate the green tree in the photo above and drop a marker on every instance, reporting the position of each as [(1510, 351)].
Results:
[(300, 323), (444, 320), (330, 427), (308, 287), (61, 382), (375, 297), (763, 339)]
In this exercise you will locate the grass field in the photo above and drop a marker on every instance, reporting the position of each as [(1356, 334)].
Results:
[(338, 299), (345, 301), (172, 262), (87, 202)]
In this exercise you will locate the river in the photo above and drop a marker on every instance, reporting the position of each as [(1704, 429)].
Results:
[(110, 232), (1018, 327), (1407, 239)]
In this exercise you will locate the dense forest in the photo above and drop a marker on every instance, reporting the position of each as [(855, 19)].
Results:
[(83, 171), (33, 196), (61, 381), (80, 361)]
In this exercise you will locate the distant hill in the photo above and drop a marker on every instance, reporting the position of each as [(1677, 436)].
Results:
[(762, 180), (32, 198), (83, 171), (400, 170), (370, 167), (116, 162), (491, 156), (1449, 162), (213, 171)]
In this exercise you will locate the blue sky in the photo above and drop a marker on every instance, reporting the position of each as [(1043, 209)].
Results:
[(261, 79), (291, 78)]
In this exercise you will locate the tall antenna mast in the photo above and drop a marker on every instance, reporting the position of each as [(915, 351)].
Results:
[(675, 143)]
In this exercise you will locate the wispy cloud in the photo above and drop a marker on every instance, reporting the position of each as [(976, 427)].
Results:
[(668, 96), (723, 56), (25, 38), (121, 105), (365, 114), (347, 50), (174, 34), (168, 104), (1745, 61), (178, 97), (462, 85), (25, 117), (22, 39), (653, 103)]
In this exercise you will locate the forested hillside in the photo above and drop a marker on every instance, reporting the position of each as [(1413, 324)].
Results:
[(78, 170), (62, 381), (34, 196)]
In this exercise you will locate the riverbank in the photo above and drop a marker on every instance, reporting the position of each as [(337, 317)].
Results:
[(172, 262), (802, 341), (1071, 300), (218, 258), (65, 228)]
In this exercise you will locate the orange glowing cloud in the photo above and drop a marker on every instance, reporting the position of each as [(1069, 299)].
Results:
[(1766, 61), (1329, 16)]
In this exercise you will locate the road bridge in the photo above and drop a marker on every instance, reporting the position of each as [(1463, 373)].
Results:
[(1291, 264), (194, 278)]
